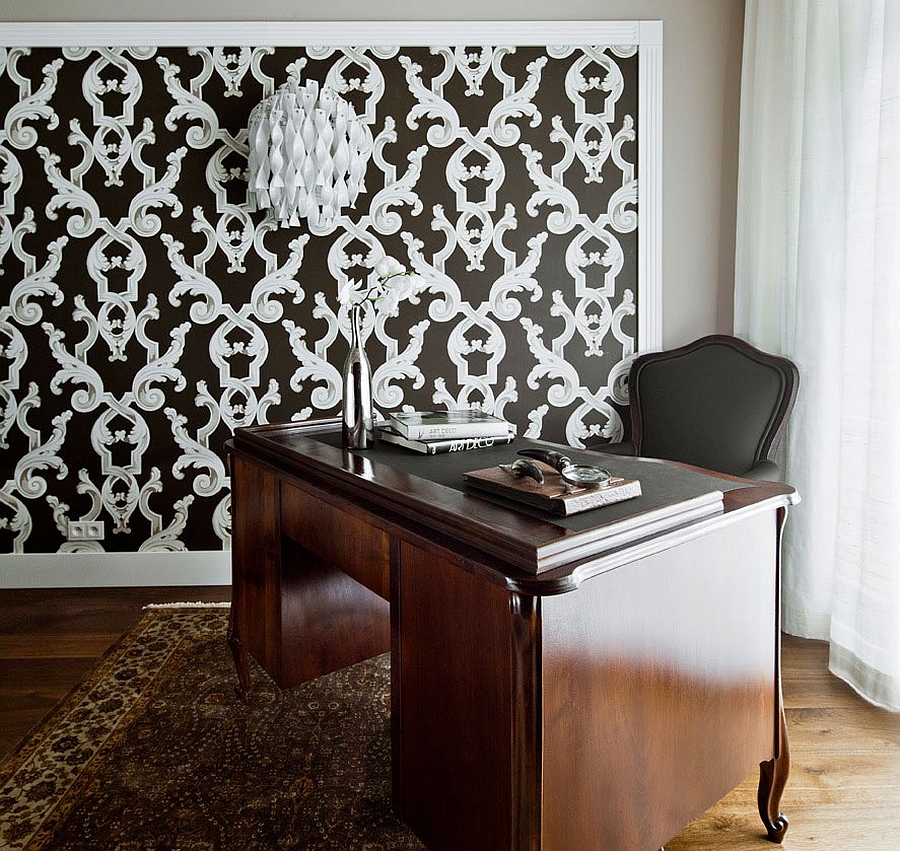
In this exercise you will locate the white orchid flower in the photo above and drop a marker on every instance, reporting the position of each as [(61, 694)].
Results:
[(351, 294), (396, 289), (388, 267), (392, 285)]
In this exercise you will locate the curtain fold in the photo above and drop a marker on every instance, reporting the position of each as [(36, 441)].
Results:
[(817, 278)]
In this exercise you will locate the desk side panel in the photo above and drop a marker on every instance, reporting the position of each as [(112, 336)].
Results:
[(256, 563), (329, 620), (340, 535), (660, 691), (335, 585), (453, 651)]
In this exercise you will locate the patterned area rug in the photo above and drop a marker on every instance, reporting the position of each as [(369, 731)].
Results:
[(153, 750)]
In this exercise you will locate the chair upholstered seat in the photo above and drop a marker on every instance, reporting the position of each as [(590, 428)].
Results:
[(717, 403)]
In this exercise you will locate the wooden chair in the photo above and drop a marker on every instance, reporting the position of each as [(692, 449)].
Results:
[(718, 403)]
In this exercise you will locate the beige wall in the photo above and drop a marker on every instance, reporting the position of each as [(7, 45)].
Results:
[(702, 63)]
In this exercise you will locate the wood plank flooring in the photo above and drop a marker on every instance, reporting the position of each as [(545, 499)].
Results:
[(51, 637), (843, 791), (844, 787)]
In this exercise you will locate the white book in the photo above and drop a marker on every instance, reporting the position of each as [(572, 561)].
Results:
[(432, 425), (443, 444)]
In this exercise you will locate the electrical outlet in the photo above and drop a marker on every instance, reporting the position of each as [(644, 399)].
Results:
[(86, 530)]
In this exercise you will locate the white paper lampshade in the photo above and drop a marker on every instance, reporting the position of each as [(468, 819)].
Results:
[(308, 154)]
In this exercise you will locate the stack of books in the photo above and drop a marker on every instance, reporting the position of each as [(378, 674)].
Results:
[(433, 432)]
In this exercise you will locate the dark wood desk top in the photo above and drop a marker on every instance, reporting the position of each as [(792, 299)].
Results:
[(529, 551)]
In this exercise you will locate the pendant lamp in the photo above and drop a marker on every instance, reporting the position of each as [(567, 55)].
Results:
[(308, 154)]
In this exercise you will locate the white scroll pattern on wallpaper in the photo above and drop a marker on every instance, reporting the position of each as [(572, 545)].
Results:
[(140, 275)]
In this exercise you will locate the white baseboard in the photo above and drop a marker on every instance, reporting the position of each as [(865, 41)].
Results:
[(105, 570)]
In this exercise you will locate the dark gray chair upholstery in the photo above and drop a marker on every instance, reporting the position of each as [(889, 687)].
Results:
[(718, 403)]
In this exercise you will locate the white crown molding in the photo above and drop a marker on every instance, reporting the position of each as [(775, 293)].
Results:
[(110, 570), (326, 33)]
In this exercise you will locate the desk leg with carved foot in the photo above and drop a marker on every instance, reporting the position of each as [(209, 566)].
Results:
[(773, 773), (238, 604), (241, 664), (255, 570), (773, 776)]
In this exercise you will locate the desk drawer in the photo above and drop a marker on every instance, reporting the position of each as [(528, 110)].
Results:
[(357, 548)]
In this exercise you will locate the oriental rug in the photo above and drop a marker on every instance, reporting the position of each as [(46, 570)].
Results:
[(154, 750)]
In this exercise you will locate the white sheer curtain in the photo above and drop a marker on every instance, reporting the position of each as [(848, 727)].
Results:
[(818, 280)]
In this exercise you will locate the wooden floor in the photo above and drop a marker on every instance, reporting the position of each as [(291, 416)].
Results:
[(843, 792), (51, 637)]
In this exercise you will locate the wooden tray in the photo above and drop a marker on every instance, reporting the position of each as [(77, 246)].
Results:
[(554, 495)]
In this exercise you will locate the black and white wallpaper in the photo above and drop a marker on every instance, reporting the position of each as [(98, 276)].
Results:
[(146, 312)]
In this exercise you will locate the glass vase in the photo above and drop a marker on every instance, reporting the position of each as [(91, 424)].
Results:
[(358, 425)]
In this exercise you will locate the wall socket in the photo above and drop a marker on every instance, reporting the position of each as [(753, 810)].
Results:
[(86, 530)]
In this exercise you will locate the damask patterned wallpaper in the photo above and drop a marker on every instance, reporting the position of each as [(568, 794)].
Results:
[(146, 312)]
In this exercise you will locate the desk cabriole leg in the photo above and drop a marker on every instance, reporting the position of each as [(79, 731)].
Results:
[(255, 569), (239, 653), (773, 776), (237, 610)]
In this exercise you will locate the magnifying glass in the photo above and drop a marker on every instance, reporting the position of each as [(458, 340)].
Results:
[(584, 475)]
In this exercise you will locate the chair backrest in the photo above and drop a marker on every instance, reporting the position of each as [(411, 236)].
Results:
[(718, 403)]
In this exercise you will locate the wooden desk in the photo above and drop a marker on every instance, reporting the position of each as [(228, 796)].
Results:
[(553, 687)]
